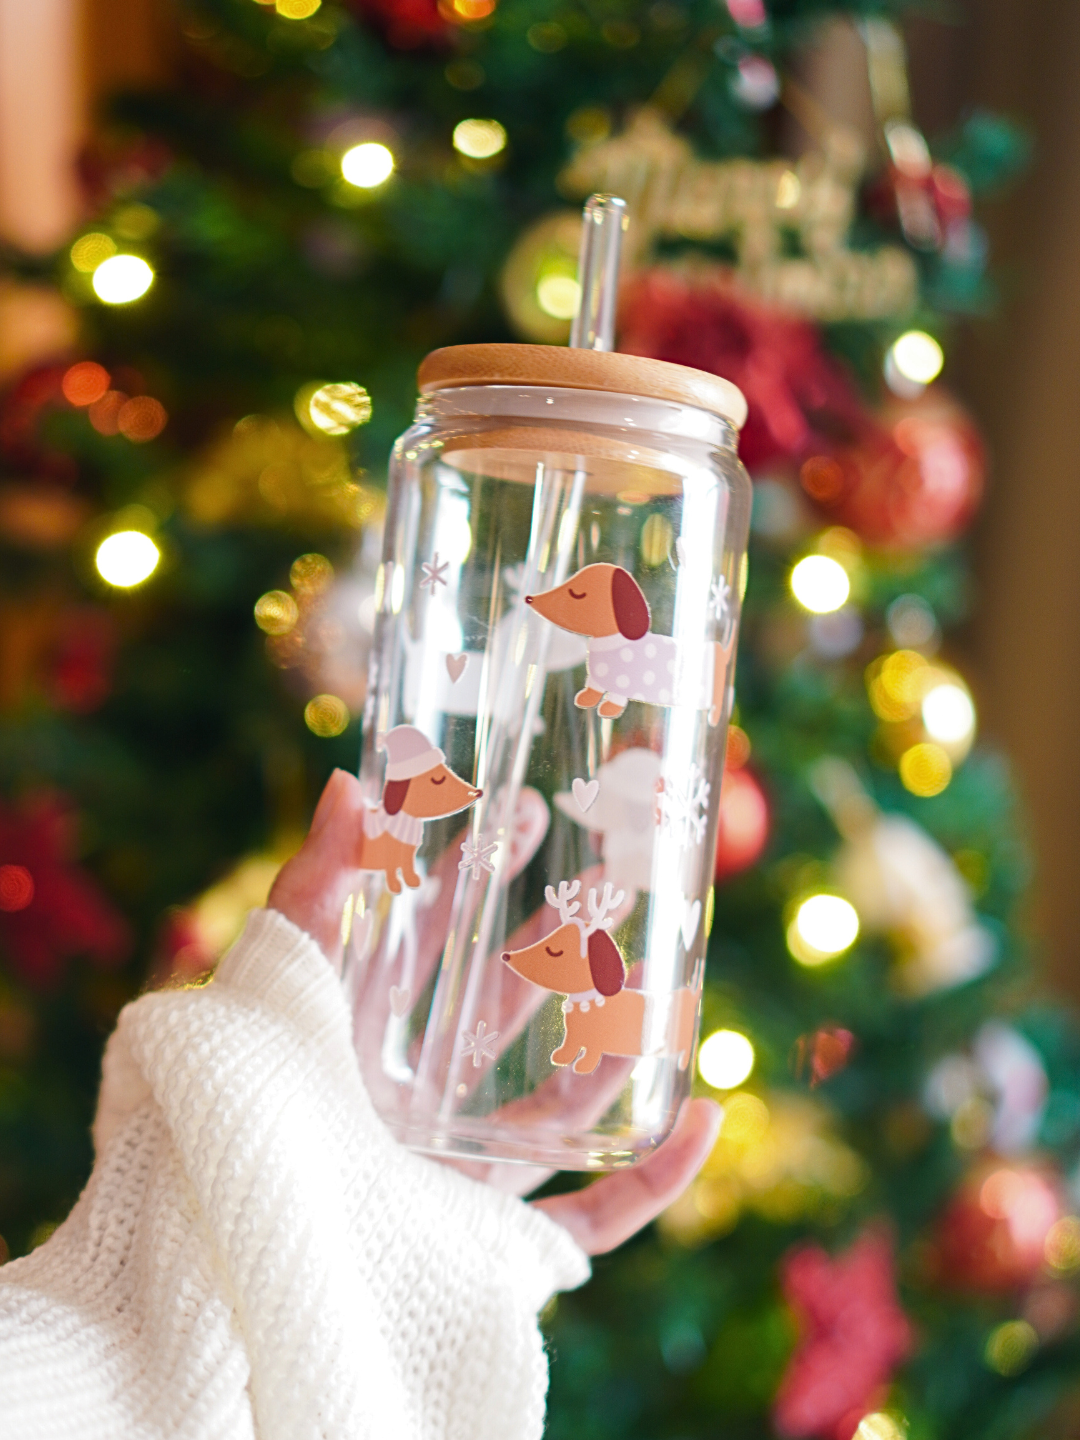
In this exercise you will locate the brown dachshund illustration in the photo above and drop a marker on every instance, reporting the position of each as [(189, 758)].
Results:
[(625, 660), (581, 961), (419, 786)]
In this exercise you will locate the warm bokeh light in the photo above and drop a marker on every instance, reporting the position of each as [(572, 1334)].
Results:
[(297, 9), (824, 927), (820, 584), (84, 383), (917, 357), (472, 9), (1062, 1245), (127, 558), (142, 418), (104, 414), (368, 165), (925, 769), (879, 1425), (16, 888), (948, 714), (336, 409), (326, 716), (122, 279), (558, 296), (725, 1059), (276, 612), (89, 251), (311, 573), (479, 139), (1011, 1346)]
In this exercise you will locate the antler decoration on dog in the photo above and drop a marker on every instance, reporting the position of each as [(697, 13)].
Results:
[(600, 916)]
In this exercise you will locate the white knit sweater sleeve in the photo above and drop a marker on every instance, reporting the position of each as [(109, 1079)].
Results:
[(254, 1256)]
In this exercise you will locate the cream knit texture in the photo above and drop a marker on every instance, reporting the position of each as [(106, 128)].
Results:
[(255, 1256)]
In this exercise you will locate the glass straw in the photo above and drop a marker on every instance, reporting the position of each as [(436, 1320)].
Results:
[(602, 225)]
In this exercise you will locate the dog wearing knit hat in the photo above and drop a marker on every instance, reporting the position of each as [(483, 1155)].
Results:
[(419, 786), (625, 660)]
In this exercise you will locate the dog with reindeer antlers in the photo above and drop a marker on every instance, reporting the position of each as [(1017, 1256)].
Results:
[(602, 1017)]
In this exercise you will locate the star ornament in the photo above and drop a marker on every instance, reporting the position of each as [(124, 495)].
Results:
[(479, 1043), (476, 856), (434, 573)]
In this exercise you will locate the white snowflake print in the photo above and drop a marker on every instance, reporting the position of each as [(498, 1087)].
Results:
[(479, 1043), (434, 573), (683, 811), (720, 599), (476, 856)]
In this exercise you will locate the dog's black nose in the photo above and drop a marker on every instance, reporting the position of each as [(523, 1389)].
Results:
[(528, 599), (506, 955)]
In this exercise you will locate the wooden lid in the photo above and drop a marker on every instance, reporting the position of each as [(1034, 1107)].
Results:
[(563, 368)]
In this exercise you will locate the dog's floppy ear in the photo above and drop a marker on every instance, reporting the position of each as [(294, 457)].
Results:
[(393, 795), (605, 963), (629, 604)]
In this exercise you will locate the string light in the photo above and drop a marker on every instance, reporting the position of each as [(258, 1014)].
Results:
[(311, 574), (338, 408), (276, 612), (948, 714), (820, 584), (84, 383), (725, 1059), (912, 362), (925, 769), (127, 558), (558, 296), (479, 139), (140, 419), (326, 716), (122, 279), (879, 1425), (368, 165), (824, 927), (1011, 1346), (297, 9), (16, 888), (89, 251)]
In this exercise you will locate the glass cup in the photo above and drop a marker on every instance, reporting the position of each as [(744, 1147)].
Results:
[(551, 679)]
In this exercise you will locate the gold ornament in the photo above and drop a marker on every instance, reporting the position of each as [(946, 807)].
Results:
[(762, 208), (777, 1154), (268, 470)]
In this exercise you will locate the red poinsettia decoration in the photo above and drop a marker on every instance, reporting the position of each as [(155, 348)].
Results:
[(407, 24), (854, 1334), (50, 911), (799, 397)]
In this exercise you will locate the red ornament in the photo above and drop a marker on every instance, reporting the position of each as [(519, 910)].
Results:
[(913, 476), (822, 1054), (798, 395), (408, 24), (744, 823), (50, 911), (992, 1236), (854, 1334), (83, 665)]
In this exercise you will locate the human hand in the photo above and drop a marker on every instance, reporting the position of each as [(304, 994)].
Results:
[(311, 889)]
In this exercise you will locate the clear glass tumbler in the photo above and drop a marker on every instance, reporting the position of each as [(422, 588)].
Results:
[(551, 680)]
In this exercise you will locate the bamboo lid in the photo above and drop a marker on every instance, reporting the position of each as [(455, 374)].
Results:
[(563, 368)]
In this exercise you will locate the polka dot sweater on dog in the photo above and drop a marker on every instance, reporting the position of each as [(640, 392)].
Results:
[(650, 669), (254, 1256)]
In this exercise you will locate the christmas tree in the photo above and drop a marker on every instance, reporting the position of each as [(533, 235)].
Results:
[(883, 1241)]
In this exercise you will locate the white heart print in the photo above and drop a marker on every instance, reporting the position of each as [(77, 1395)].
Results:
[(585, 792), (691, 916), (400, 995)]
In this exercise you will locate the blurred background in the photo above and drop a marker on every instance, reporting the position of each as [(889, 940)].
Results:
[(229, 230)]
